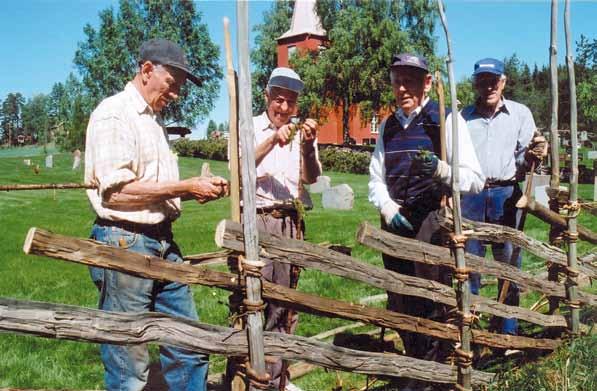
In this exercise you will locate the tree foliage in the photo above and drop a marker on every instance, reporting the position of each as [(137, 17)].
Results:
[(11, 116), (265, 57), (363, 36), (108, 57)]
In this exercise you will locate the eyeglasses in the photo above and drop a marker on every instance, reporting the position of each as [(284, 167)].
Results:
[(487, 82)]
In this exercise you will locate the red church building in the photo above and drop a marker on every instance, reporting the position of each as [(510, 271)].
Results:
[(306, 34)]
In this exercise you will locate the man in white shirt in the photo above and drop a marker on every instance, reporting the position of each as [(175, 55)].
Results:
[(286, 157), (407, 184), (138, 197)]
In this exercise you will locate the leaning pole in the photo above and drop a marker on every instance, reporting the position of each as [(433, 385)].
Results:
[(571, 235), (554, 182), (463, 295), (253, 303)]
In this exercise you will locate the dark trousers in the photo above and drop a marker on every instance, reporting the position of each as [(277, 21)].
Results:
[(496, 205), (276, 316), (415, 345)]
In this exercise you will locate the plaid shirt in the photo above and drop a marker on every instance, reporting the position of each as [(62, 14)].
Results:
[(127, 142)]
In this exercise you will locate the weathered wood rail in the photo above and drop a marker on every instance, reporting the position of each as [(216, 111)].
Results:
[(418, 251), (229, 235), (81, 324), (501, 234), (89, 252)]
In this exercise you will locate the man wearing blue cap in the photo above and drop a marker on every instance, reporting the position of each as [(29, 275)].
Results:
[(503, 133), (407, 178), (138, 196), (286, 157)]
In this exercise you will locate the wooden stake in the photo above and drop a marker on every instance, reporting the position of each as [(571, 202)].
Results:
[(554, 182), (572, 234), (463, 291), (253, 284), (238, 382)]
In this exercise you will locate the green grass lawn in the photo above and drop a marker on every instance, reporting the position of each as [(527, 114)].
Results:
[(28, 362)]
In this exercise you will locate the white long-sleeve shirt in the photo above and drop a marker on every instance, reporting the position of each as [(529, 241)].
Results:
[(472, 179)]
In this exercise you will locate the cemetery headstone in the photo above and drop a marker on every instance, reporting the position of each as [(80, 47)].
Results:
[(323, 182), (76, 159), (50, 161), (338, 197)]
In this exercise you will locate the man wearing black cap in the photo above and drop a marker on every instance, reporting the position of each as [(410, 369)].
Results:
[(137, 198), (407, 178), (503, 134)]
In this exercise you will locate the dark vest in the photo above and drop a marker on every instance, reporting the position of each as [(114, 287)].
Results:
[(400, 147)]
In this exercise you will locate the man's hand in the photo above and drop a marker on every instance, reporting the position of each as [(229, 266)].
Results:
[(204, 189), (399, 223), (424, 164), (394, 219), (537, 149), (309, 130), (283, 135)]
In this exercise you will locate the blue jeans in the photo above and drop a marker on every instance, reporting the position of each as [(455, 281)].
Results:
[(127, 367), (497, 206)]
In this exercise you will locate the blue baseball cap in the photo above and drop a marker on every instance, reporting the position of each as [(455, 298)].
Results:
[(489, 65), (286, 78), (409, 60)]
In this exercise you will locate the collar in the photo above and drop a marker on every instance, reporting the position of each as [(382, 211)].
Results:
[(263, 123), (502, 109), (137, 99), (401, 116)]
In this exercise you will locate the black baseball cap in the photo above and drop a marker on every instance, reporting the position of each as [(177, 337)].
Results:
[(409, 60), (166, 52)]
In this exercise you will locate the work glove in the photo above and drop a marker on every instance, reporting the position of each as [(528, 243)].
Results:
[(537, 149), (394, 219), (424, 164)]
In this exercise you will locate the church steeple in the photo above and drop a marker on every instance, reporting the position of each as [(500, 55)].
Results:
[(305, 34), (304, 20)]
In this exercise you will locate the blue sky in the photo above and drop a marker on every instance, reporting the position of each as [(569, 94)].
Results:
[(39, 37)]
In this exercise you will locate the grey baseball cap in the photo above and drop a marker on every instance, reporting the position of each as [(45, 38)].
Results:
[(166, 52), (283, 77), (409, 60)]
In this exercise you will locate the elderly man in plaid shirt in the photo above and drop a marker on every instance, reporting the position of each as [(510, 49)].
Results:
[(137, 199)]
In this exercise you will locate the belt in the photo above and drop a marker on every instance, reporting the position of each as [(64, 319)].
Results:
[(161, 230), (491, 183), (278, 213)]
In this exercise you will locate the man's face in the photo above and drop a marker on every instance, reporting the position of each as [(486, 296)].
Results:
[(163, 85), (410, 85), (489, 88), (281, 105)]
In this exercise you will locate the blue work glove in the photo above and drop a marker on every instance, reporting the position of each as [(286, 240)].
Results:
[(399, 223), (424, 164)]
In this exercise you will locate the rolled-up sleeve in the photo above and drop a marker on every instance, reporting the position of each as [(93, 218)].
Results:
[(378, 189), (113, 153), (471, 177), (525, 135)]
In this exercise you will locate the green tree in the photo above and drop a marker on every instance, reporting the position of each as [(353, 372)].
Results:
[(11, 122), (223, 127), (211, 128), (108, 57), (354, 68), (586, 76), (36, 118), (265, 55)]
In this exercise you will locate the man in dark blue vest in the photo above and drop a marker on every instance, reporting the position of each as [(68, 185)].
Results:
[(407, 178)]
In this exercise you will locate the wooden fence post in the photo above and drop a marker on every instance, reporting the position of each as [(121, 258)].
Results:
[(554, 182), (251, 261), (463, 293), (571, 235)]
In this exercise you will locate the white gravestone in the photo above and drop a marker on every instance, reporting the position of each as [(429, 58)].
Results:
[(538, 191), (338, 197), (50, 161), (27, 162), (322, 183), (76, 159)]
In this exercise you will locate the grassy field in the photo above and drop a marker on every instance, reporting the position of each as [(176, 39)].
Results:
[(28, 362)]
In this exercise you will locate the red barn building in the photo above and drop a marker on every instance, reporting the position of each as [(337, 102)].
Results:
[(306, 34)]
